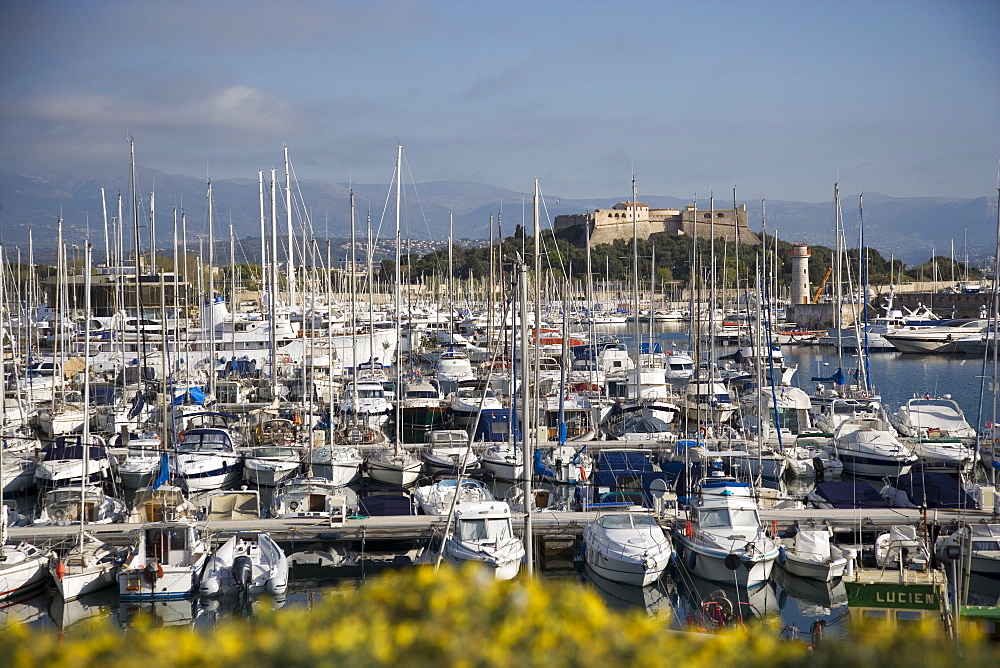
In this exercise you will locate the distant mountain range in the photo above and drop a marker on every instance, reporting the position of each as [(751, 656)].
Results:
[(909, 228)]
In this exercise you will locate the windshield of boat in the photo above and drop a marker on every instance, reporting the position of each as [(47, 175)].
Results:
[(627, 521), (370, 393), (206, 441), (70, 450), (727, 517), (274, 452), (986, 545), (484, 529), (472, 393)]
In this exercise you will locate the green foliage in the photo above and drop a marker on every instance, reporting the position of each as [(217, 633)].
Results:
[(465, 618)]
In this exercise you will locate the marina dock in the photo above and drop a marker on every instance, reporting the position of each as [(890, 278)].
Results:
[(546, 526)]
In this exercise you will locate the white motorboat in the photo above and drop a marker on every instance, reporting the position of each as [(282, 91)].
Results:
[(483, 533), (451, 368), (942, 434), (708, 401), (366, 401), (393, 466), (423, 410), (932, 418), (810, 458), (63, 463), (981, 550), (829, 408), (678, 365), (629, 548), (248, 563), (724, 540), (165, 562), (868, 447), (902, 548), (22, 565), (871, 335), (437, 499), (64, 506), (207, 459), (270, 465), (340, 464), (811, 554), (504, 461), (91, 564), (941, 338), (17, 475), (310, 497), (448, 451), (141, 462), (465, 403)]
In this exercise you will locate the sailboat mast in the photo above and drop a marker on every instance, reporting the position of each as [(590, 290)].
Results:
[(354, 318), (107, 250), (86, 384), (398, 279), (527, 424), (838, 294), (291, 234), (152, 232), (635, 286), (451, 274), (538, 319), (211, 291)]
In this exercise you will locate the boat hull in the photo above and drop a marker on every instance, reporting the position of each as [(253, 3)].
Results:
[(824, 571), (77, 582), (711, 565)]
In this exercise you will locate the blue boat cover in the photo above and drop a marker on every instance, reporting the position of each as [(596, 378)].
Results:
[(494, 426), (850, 494), (935, 490), (626, 470), (192, 396), (837, 378)]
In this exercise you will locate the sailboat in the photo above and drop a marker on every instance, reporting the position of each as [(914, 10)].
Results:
[(396, 465), (22, 565), (90, 564)]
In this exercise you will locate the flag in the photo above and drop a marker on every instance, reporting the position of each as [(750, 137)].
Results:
[(164, 474)]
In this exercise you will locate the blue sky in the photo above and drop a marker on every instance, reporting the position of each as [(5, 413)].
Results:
[(899, 97)]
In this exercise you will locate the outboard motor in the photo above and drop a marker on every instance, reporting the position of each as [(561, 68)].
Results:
[(242, 571), (820, 467)]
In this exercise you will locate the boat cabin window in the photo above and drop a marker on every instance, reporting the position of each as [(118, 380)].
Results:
[(206, 441), (794, 420), (162, 544), (986, 545), (227, 393), (273, 452), (908, 617), (484, 529), (421, 394), (726, 517)]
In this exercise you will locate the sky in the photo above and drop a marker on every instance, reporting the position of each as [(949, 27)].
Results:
[(776, 97)]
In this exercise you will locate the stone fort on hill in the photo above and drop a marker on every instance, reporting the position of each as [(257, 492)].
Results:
[(606, 225)]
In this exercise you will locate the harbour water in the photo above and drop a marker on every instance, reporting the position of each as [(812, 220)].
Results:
[(677, 597)]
